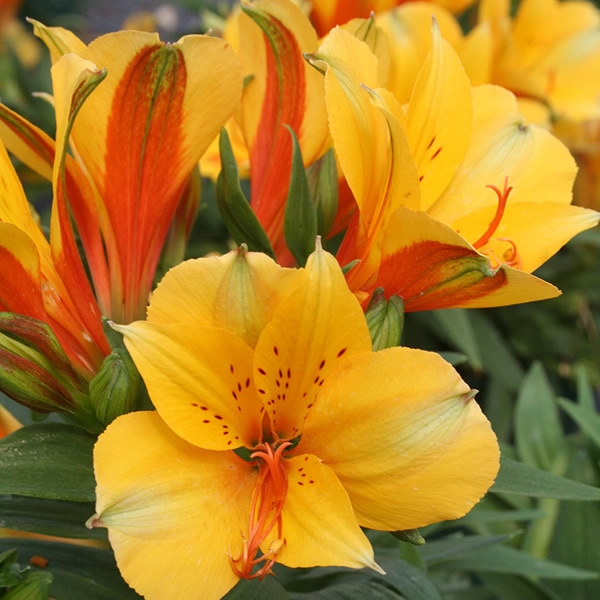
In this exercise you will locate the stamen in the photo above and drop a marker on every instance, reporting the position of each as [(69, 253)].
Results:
[(267, 503), (502, 200)]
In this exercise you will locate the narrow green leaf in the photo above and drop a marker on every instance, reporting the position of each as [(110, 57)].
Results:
[(538, 432), (300, 223), (50, 517), (517, 478), (588, 422), (239, 218), (504, 559), (448, 549), (48, 461), (455, 326), (500, 516), (511, 587), (78, 572)]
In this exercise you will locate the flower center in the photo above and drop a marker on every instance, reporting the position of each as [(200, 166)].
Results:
[(511, 256), (265, 512)]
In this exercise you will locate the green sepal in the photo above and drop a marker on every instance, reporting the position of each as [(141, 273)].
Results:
[(385, 319), (412, 536), (300, 222), (117, 388), (323, 183), (240, 220)]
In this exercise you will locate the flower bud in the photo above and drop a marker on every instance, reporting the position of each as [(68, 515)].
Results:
[(116, 388), (385, 319)]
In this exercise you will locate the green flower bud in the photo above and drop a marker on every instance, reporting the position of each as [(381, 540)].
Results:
[(117, 387), (385, 319)]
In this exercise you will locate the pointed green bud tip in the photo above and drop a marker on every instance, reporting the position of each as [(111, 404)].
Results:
[(412, 536), (116, 388), (385, 319)]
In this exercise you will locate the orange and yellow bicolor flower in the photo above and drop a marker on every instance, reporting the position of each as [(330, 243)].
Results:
[(278, 432), (135, 142), (458, 199), (281, 91)]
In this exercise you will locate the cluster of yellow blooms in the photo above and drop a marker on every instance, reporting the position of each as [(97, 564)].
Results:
[(279, 432)]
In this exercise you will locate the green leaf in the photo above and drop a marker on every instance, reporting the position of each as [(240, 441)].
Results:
[(587, 421), (455, 326), (538, 432), (448, 549), (504, 559), (48, 461), (239, 218), (509, 587), (253, 589), (500, 516), (35, 587), (300, 223), (517, 478), (50, 517), (78, 571), (576, 541)]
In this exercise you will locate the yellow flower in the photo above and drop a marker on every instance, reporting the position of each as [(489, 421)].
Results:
[(458, 199), (278, 432)]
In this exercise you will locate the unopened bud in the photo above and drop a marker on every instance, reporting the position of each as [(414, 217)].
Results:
[(385, 319)]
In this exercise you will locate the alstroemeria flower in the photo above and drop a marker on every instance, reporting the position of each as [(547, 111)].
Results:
[(135, 141), (459, 200), (282, 90), (278, 432)]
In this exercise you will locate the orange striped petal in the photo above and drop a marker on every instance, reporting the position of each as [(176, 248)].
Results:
[(400, 430), (293, 96), (174, 512), (431, 267), (310, 331)]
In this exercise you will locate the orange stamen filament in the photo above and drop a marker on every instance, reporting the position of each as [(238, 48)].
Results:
[(268, 499), (502, 200)]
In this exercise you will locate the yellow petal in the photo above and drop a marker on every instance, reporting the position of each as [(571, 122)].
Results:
[(400, 430), (409, 30), (237, 292), (439, 119), (359, 131), (58, 40), (174, 512), (309, 332), (318, 525), (538, 231), (199, 380), (538, 166)]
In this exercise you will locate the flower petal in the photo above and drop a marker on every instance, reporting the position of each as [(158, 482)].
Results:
[(237, 292), (431, 267), (318, 525), (400, 430), (200, 381), (309, 332), (439, 118), (174, 512)]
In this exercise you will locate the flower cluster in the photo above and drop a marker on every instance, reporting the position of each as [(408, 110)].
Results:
[(279, 427)]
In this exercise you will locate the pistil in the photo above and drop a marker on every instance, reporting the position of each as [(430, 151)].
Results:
[(268, 499)]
